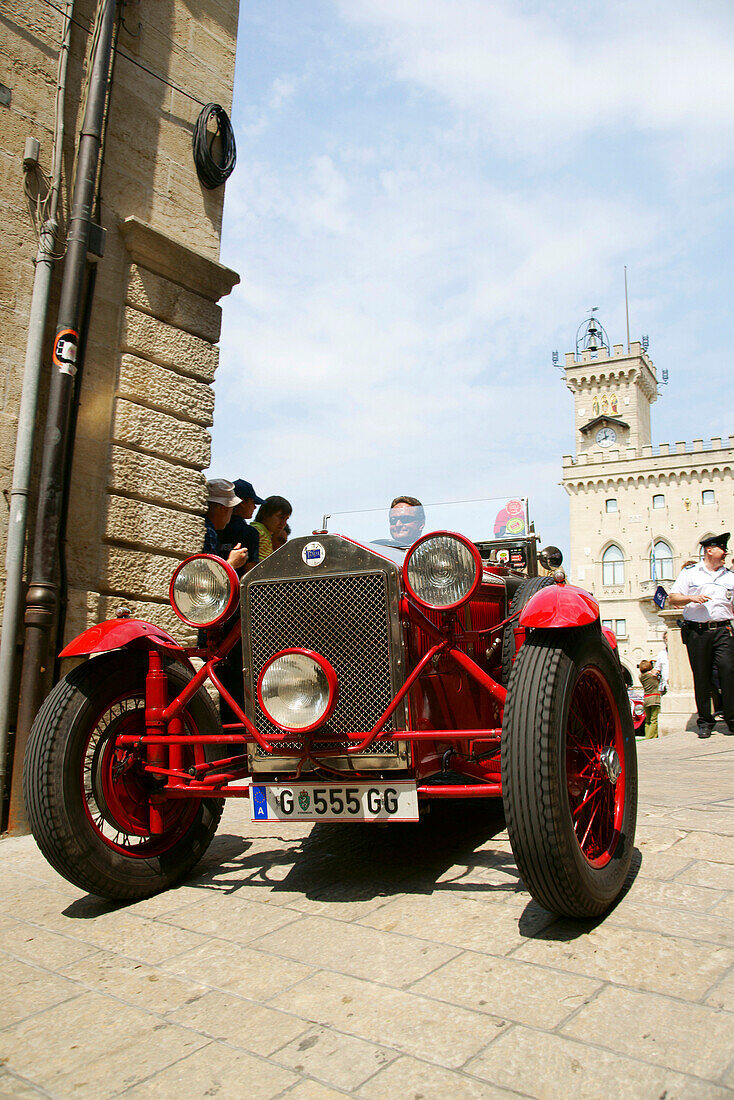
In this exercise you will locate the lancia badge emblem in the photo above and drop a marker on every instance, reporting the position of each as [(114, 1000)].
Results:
[(313, 554), (304, 800)]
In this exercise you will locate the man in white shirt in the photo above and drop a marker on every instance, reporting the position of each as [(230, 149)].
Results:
[(662, 664), (706, 593)]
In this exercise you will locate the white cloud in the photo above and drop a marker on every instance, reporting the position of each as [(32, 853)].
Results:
[(541, 77), (403, 284)]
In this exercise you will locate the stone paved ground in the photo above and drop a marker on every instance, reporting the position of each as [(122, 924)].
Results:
[(399, 962)]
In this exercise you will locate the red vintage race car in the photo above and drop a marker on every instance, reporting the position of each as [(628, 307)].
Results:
[(637, 707), (376, 678)]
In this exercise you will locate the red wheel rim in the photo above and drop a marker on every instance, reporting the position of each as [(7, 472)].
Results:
[(594, 755), (116, 791)]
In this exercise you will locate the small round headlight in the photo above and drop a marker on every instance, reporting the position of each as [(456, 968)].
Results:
[(442, 570), (204, 590), (297, 689)]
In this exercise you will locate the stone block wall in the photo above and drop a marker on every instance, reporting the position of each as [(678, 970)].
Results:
[(159, 442), (146, 400)]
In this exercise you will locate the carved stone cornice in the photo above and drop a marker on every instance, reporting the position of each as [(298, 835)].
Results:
[(161, 254)]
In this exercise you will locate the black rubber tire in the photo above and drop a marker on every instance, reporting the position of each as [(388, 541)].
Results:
[(535, 783), (53, 784), (527, 589)]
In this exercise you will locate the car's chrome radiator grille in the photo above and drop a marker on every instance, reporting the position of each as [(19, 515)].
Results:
[(345, 619)]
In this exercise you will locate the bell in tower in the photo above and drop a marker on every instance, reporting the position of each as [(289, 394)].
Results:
[(591, 335)]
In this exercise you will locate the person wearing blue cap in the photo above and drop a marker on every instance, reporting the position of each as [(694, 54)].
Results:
[(705, 591), (238, 530)]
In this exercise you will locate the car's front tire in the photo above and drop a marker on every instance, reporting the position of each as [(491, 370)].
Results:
[(88, 801), (569, 771)]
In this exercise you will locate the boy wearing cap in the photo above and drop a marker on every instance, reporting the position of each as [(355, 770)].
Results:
[(238, 530), (705, 591)]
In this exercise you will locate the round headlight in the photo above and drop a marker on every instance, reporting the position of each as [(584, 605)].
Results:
[(297, 689), (442, 570), (204, 590)]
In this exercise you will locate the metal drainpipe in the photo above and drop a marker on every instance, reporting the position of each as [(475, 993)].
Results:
[(22, 466), (43, 594)]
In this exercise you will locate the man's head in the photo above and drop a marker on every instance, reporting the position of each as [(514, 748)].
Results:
[(715, 549), (221, 499), (407, 519), (248, 498)]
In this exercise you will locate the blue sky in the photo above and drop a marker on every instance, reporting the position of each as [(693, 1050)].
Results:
[(429, 196)]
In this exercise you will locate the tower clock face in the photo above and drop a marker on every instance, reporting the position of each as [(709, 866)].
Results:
[(605, 437)]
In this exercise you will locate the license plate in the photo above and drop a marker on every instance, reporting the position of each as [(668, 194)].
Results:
[(334, 802)]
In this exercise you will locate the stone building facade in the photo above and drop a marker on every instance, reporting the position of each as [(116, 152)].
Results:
[(142, 439), (638, 510)]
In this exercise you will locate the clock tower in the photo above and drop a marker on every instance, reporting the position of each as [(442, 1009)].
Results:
[(613, 392)]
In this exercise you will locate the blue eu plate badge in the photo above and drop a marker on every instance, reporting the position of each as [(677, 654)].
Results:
[(259, 804)]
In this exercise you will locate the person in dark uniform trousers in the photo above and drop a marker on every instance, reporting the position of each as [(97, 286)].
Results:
[(705, 591)]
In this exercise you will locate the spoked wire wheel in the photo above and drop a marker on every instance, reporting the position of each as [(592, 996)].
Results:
[(118, 792), (89, 799), (595, 767), (569, 771)]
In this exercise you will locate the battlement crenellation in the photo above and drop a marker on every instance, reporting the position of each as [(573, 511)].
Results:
[(697, 449)]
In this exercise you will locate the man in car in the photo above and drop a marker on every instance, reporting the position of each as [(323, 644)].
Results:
[(407, 520)]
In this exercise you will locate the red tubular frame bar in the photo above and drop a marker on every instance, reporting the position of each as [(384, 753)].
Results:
[(160, 715), (457, 790)]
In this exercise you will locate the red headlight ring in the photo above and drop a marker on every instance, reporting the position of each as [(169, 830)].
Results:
[(331, 679), (234, 595), (477, 560)]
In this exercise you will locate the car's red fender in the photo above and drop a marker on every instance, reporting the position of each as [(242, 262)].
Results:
[(558, 606), (118, 633)]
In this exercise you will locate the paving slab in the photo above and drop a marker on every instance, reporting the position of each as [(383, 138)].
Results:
[(314, 963)]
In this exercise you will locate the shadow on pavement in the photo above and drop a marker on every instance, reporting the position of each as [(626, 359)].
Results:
[(351, 862), (566, 929), (347, 862)]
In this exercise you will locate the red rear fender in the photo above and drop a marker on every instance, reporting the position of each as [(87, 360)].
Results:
[(118, 633), (558, 606)]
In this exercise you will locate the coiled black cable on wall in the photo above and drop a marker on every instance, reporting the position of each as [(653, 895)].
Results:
[(211, 173)]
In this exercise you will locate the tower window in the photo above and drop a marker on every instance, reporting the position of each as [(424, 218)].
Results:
[(661, 562), (612, 504), (708, 497), (612, 566), (658, 500)]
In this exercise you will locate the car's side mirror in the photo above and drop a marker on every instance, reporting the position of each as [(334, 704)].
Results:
[(550, 557)]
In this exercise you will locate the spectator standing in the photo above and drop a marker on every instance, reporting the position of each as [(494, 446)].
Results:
[(650, 680), (705, 591), (221, 501), (238, 530), (662, 665), (282, 538), (271, 519)]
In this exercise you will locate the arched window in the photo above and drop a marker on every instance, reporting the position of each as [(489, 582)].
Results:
[(612, 566), (661, 562)]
